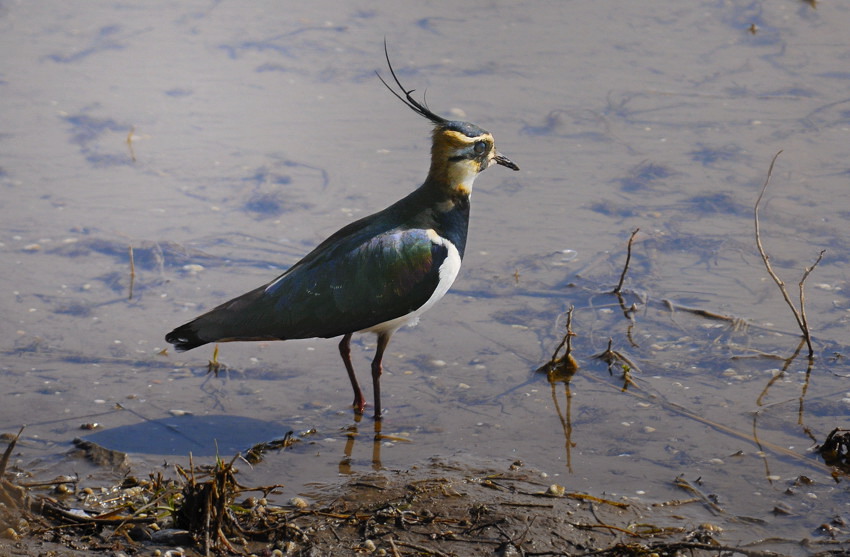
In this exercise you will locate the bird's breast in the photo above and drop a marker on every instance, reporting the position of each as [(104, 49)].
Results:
[(447, 272)]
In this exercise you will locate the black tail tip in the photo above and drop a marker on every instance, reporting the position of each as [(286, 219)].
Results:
[(184, 338)]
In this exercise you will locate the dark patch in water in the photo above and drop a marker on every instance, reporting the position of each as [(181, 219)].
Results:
[(264, 176), (177, 92), (720, 202), (235, 50), (269, 204), (118, 282), (74, 308), (103, 161), (270, 197), (270, 67), (88, 128), (365, 14), (550, 125), (87, 131), (271, 44), (427, 24), (708, 155), (643, 175), (611, 209), (793, 92), (269, 201), (150, 256), (103, 40)]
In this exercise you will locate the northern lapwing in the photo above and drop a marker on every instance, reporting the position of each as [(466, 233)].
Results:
[(374, 275)]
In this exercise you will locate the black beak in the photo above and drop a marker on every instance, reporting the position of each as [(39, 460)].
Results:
[(505, 161)]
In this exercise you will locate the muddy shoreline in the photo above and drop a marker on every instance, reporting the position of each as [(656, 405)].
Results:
[(440, 508)]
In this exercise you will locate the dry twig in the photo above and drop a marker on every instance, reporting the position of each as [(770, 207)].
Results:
[(130, 143), (132, 272), (619, 288), (567, 359), (799, 314), (4, 460)]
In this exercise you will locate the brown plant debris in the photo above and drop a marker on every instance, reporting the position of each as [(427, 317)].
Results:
[(836, 449), (437, 510)]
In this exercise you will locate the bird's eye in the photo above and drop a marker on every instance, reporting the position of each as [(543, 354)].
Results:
[(480, 147)]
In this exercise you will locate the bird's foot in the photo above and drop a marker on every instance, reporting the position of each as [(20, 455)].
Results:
[(359, 406)]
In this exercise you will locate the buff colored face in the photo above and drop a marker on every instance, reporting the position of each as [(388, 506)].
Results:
[(463, 157)]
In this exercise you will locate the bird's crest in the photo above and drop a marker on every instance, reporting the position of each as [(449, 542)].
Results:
[(418, 107)]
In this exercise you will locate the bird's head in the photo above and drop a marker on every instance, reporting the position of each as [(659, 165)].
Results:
[(459, 150)]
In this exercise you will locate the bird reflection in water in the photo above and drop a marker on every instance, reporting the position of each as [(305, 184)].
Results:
[(352, 433)]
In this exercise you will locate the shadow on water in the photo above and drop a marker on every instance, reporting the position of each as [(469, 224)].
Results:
[(202, 436), (183, 433)]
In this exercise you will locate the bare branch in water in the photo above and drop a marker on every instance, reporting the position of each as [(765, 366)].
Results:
[(799, 314), (619, 287)]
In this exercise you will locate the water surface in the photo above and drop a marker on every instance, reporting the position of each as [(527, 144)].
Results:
[(221, 142)]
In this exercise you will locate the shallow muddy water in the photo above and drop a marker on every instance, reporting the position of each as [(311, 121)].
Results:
[(220, 142)]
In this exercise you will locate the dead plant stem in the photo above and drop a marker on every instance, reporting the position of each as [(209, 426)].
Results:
[(799, 314), (619, 287)]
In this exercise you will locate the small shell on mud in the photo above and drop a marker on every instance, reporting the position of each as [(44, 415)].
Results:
[(299, 502), (556, 490)]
